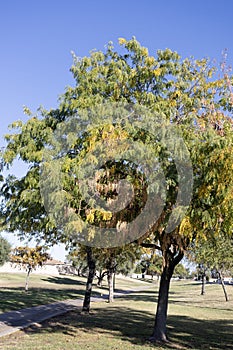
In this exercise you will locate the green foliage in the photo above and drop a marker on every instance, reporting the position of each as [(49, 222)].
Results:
[(215, 254), (191, 96), (187, 93), (150, 263), (5, 249), (181, 271), (118, 260), (77, 257)]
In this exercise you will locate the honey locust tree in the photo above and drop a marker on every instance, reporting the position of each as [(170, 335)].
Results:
[(29, 259), (168, 109)]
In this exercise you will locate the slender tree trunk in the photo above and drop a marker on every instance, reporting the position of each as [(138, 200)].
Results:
[(160, 326), (90, 278), (114, 282), (110, 286), (99, 279), (203, 279), (27, 278), (223, 286)]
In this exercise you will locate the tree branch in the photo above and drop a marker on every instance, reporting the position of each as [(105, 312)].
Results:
[(150, 245), (178, 257)]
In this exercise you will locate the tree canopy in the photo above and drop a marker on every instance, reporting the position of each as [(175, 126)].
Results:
[(155, 131), (215, 256), (29, 259)]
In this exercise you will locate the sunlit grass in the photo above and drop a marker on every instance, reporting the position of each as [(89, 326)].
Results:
[(48, 289), (194, 321)]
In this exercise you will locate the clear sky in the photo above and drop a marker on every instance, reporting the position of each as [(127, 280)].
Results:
[(37, 37)]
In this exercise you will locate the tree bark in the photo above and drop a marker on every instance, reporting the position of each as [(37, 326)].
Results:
[(110, 286), (160, 325), (27, 278), (91, 274), (223, 286), (203, 283), (159, 333)]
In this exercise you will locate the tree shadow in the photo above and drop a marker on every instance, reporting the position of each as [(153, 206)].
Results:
[(204, 306), (201, 334), (63, 280), (17, 298), (145, 296), (135, 327)]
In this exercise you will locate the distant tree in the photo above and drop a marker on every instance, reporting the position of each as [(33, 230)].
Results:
[(104, 262), (215, 254), (149, 263), (202, 270), (181, 271), (29, 259), (5, 249), (78, 259), (117, 260)]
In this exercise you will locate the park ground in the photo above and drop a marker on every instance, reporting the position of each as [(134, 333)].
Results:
[(194, 321)]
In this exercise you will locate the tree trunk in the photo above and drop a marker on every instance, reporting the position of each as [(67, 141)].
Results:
[(110, 286), (159, 333), (90, 278), (114, 282), (160, 325), (99, 279), (223, 286), (27, 278), (203, 283)]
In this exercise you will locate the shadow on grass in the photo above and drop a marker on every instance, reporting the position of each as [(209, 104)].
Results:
[(201, 334), (17, 298), (135, 326), (146, 280), (63, 280), (150, 296)]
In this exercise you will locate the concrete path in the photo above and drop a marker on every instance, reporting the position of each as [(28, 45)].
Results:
[(13, 321)]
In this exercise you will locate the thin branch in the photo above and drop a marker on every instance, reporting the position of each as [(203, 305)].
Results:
[(150, 245)]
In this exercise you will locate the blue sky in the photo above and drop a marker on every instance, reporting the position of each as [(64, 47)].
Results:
[(37, 37)]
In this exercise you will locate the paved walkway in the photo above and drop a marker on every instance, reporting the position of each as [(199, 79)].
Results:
[(13, 321)]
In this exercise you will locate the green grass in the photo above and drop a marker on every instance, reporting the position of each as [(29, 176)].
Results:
[(194, 321), (42, 290), (46, 289)]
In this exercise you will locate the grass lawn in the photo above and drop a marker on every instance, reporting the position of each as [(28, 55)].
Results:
[(47, 289), (194, 321), (42, 290)]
